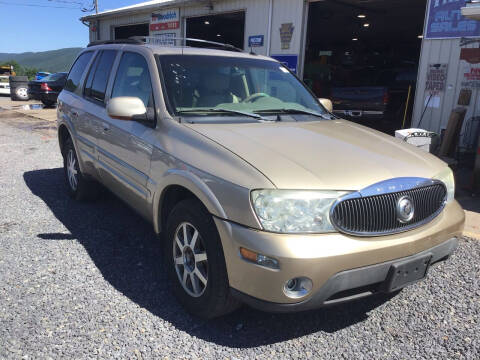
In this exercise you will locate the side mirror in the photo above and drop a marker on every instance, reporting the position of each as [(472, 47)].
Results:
[(327, 104), (126, 108)]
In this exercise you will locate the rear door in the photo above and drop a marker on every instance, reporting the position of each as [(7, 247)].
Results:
[(70, 107), (124, 153)]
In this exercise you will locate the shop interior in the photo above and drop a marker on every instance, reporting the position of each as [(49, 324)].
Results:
[(227, 28), (124, 32), (364, 56)]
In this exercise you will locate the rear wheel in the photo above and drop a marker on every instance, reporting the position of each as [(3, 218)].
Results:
[(21, 93), (195, 261), (79, 188), (18, 87)]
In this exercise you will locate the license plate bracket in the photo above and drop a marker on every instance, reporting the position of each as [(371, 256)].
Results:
[(407, 272)]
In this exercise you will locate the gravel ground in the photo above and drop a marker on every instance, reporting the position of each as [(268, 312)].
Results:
[(84, 281)]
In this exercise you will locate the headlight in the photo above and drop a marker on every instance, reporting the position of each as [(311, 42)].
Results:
[(295, 211), (446, 176)]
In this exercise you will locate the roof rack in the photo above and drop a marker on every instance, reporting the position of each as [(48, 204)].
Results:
[(141, 40), (183, 40), (130, 41)]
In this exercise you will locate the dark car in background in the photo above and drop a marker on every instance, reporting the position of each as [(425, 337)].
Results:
[(376, 98), (47, 89)]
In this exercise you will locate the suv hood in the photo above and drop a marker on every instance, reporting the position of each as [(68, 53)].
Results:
[(328, 155)]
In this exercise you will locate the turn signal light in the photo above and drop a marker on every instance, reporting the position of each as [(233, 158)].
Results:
[(259, 259), (45, 87)]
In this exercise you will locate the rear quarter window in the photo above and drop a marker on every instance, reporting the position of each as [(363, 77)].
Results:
[(77, 70), (97, 79)]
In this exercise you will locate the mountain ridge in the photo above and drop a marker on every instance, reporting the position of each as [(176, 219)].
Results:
[(51, 61)]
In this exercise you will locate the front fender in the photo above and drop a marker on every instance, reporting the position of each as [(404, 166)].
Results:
[(191, 182)]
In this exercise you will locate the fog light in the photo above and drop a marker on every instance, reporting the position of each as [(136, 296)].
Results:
[(259, 259), (298, 287)]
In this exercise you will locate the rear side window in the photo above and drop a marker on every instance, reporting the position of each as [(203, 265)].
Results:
[(73, 80), (133, 79), (97, 79)]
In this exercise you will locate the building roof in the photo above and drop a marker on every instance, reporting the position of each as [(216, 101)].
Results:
[(143, 6)]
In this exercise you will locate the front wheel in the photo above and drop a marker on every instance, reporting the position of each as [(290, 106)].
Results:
[(195, 261)]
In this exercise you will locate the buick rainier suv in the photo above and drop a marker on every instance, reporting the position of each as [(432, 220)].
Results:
[(258, 192)]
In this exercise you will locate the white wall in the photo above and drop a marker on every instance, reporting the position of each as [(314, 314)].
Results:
[(442, 52), (256, 21), (287, 11)]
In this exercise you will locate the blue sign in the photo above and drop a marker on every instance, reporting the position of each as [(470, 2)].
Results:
[(255, 41), (290, 61), (445, 20)]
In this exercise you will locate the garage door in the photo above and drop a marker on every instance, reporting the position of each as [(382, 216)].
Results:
[(127, 31), (364, 55), (228, 28)]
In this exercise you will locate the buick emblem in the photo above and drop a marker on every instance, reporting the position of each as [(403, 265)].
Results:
[(405, 209)]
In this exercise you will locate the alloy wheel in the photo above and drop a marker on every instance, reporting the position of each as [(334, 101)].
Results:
[(71, 170), (190, 259)]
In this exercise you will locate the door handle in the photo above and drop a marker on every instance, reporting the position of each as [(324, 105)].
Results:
[(105, 126)]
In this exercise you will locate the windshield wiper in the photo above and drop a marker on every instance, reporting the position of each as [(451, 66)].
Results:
[(292, 111), (228, 111)]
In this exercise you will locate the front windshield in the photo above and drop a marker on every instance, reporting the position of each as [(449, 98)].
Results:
[(206, 85)]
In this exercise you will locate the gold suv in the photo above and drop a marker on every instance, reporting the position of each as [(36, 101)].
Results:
[(260, 194)]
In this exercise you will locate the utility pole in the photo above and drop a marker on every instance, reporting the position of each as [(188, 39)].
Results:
[(96, 6)]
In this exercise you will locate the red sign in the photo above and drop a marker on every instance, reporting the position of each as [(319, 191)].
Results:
[(172, 25)]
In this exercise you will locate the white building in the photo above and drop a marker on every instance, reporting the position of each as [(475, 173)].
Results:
[(322, 41)]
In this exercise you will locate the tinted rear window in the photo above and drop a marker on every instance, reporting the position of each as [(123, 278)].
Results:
[(102, 73), (54, 77), (75, 75)]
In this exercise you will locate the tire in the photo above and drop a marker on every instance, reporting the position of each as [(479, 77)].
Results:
[(210, 297), (78, 187), (21, 93), (18, 88)]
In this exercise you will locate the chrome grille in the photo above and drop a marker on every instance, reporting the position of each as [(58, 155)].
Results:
[(377, 214)]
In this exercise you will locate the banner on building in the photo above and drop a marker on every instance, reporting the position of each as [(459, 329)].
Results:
[(436, 78), (290, 61), (470, 65), (445, 20), (165, 20), (286, 34), (165, 39)]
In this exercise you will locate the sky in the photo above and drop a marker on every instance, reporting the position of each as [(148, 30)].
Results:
[(40, 25)]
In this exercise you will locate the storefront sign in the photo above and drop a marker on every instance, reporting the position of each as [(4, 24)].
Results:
[(436, 78), (445, 20), (255, 41), (470, 65), (165, 39), (165, 20), (286, 34), (290, 61)]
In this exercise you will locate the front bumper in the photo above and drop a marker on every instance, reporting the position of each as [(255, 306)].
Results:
[(43, 96), (334, 262), (352, 284)]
